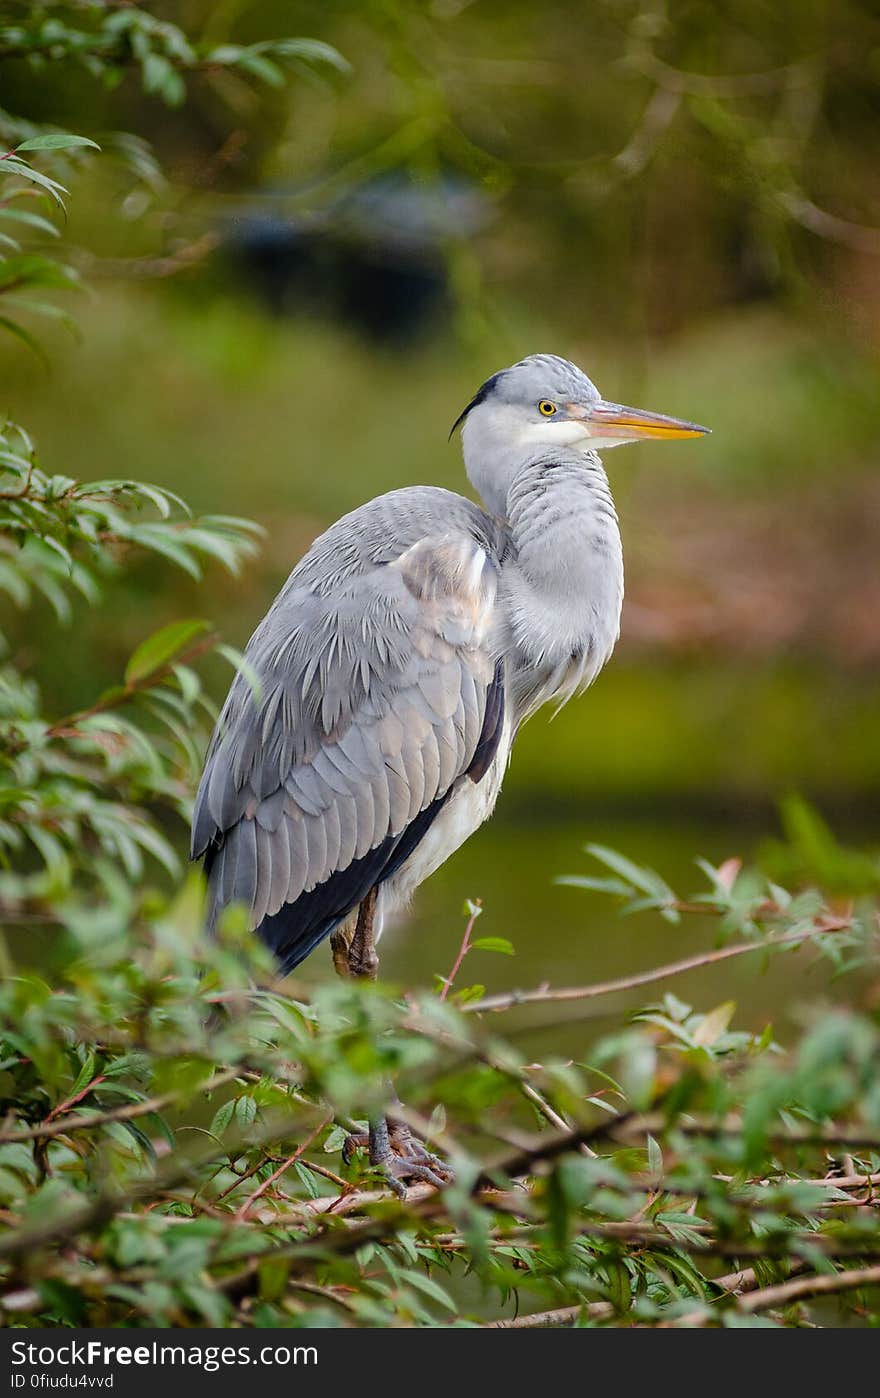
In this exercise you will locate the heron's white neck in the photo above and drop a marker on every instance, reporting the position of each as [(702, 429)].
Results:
[(563, 583)]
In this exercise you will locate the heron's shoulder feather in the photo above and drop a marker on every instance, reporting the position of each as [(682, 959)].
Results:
[(382, 529)]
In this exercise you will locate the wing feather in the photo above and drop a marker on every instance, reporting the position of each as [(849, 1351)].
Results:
[(376, 676), (317, 867), (244, 879), (381, 804), (264, 845), (280, 869)]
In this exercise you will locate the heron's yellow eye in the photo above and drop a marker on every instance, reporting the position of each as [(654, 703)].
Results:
[(546, 408)]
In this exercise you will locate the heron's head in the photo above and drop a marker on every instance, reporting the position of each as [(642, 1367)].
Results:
[(542, 404)]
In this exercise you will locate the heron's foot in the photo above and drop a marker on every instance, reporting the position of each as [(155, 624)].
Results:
[(400, 1155)]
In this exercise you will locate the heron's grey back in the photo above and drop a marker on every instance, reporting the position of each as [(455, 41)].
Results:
[(374, 665)]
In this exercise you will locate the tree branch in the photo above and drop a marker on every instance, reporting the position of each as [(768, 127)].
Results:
[(132, 1110), (825, 1284), (786, 1293), (510, 999), (62, 728)]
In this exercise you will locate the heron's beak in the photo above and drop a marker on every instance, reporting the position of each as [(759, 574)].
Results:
[(613, 422)]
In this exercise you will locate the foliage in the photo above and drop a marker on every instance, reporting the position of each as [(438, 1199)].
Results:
[(170, 1152), (105, 38), (169, 1112), (76, 790), (80, 793)]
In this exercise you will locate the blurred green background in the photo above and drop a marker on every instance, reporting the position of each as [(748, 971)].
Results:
[(684, 198)]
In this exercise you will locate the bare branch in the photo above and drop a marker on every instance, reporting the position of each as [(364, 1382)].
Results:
[(786, 1293), (825, 1284), (285, 1165), (858, 236), (511, 999)]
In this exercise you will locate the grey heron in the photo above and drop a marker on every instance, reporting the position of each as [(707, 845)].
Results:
[(397, 664)]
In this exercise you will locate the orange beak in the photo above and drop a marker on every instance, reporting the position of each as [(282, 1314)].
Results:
[(615, 422)]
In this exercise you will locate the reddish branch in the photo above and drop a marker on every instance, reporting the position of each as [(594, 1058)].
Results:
[(284, 1166), (130, 1112), (463, 949), (67, 727)]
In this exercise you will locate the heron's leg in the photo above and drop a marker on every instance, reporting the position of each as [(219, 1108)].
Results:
[(363, 959), (340, 944), (392, 1146), (339, 947)]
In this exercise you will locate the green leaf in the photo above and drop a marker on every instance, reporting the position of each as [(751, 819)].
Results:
[(44, 308), (310, 51), (85, 1074), (655, 1157), (13, 328), (160, 648), (429, 1288), (335, 1140), (260, 67), (166, 542), (595, 885), (222, 1117), (470, 992), (31, 220), (11, 166), (272, 1274), (499, 944), (66, 1300), (246, 1111), (714, 1024), (56, 140), (619, 1286), (32, 269)]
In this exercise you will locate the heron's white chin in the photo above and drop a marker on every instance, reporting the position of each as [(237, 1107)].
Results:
[(564, 433)]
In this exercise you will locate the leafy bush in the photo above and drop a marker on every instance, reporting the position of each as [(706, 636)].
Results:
[(170, 1152), (173, 1120)]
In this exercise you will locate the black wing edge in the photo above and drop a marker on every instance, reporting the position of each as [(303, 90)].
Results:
[(493, 723), (296, 929)]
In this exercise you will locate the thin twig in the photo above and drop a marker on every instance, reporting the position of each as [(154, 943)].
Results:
[(511, 999), (327, 1174), (550, 1114), (129, 1112), (73, 1101), (116, 697), (544, 1149), (731, 1125), (858, 236), (463, 950), (285, 1165)]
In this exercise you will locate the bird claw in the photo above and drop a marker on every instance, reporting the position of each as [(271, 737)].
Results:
[(354, 1141), (414, 1150), (397, 1170), (400, 1156)]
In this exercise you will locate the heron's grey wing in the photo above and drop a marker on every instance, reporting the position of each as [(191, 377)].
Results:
[(378, 692)]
